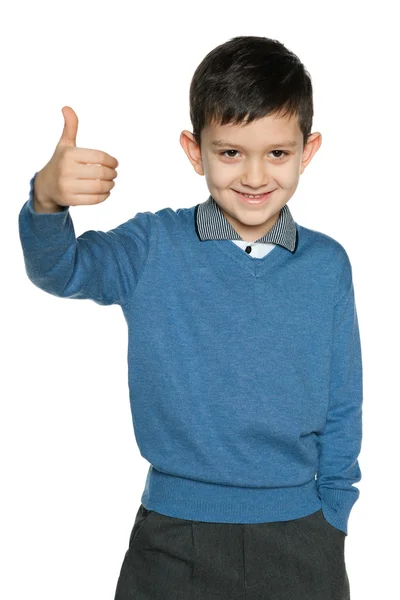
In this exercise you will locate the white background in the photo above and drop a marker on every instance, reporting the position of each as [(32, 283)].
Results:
[(72, 475)]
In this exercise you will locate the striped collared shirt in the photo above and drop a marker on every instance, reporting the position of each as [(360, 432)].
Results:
[(211, 224)]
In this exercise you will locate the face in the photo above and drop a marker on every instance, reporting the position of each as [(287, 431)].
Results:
[(253, 158)]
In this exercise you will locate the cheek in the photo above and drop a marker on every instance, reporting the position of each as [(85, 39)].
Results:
[(220, 176), (288, 178)]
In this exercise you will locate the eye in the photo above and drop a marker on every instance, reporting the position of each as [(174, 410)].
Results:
[(282, 151), (223, 153)]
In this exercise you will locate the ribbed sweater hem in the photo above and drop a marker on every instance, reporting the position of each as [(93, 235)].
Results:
[(200, 501)]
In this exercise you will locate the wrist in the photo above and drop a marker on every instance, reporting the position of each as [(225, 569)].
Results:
[(41, 202)]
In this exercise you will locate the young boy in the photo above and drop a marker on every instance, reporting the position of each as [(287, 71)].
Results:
[(245, 373)]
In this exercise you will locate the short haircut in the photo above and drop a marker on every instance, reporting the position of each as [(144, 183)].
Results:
[(247, 78)]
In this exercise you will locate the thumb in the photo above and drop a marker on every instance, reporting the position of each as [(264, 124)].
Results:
[(68, 137)]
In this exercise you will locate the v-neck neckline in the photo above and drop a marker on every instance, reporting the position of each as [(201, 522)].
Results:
[(255, 266)]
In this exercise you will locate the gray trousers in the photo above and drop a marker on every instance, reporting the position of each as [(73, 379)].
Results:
[(179, 559)]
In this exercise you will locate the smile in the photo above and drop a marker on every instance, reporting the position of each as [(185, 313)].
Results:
[(258, 199)]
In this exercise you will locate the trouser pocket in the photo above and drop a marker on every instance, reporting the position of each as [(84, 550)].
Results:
[(334, 530), (141, 517)]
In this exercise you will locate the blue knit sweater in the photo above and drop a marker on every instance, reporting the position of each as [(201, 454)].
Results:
[(245, 375)]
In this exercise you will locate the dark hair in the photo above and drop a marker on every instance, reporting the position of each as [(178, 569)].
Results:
[(254, 76)]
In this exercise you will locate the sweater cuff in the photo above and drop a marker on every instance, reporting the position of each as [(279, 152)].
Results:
[(337, 504), (40, 229)]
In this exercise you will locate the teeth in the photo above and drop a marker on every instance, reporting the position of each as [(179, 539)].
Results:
[(248, 196)]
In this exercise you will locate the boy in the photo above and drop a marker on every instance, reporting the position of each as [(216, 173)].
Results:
[(245, 374)]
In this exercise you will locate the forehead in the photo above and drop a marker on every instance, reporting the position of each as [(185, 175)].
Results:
[(270, 129)]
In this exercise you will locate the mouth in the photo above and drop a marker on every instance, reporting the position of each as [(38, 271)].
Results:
[(259, 199)]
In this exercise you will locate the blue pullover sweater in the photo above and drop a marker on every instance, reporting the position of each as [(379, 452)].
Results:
[(245, 374)]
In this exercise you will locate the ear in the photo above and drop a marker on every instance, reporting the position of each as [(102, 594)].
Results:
[(192, 150), (314, 141)]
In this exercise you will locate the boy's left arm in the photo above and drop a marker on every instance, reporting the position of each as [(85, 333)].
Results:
[(340, 441)]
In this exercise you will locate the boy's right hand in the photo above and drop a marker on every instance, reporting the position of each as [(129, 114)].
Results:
[(74, 176)]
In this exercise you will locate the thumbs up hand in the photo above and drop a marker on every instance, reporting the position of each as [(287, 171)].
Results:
[(73, 176)]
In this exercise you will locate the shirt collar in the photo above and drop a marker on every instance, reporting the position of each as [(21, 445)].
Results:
[(211, 224)]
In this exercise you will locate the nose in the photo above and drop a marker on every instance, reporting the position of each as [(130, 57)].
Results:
[(255, 175)]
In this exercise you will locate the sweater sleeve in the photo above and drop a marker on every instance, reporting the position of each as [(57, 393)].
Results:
[(101, 266), (340, 441)]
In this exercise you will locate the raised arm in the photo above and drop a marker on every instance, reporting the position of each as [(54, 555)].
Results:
[(101, 266)]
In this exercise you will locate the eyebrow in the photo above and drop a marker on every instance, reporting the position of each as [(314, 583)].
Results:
[(221, 143)]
